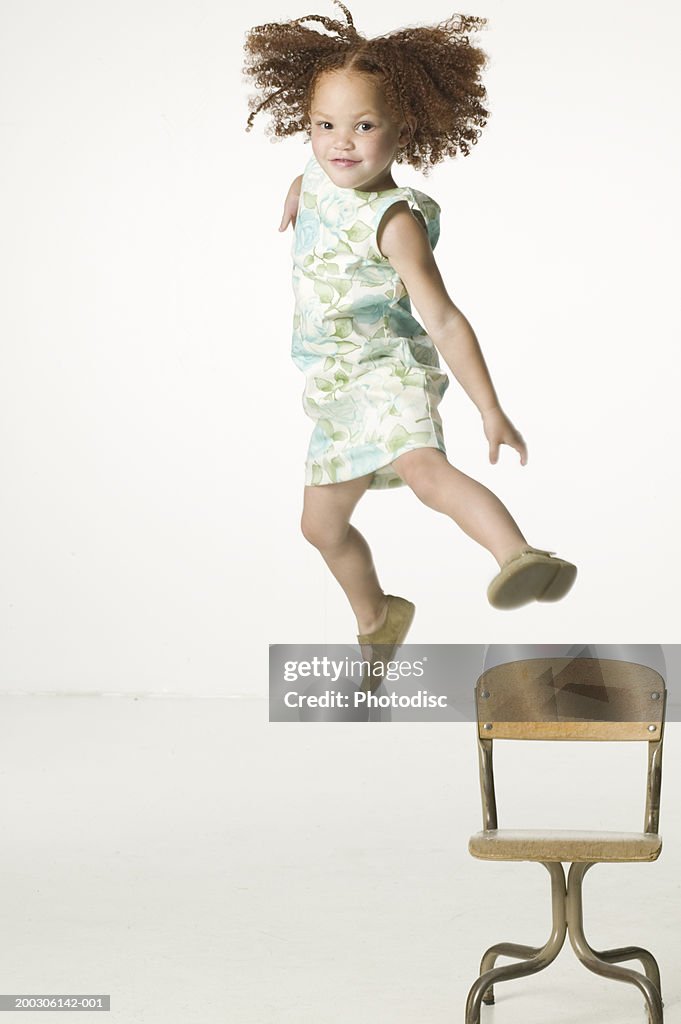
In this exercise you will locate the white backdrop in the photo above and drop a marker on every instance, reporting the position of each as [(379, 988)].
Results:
[(153, 438)]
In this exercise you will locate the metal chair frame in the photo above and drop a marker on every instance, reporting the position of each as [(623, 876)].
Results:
[(536, 716)]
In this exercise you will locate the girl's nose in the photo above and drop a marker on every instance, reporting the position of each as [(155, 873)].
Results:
[(343, 139)]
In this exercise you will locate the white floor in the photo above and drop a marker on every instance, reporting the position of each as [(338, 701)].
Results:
[(200, 864)]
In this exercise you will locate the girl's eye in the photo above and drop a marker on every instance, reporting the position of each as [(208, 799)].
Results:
[(323, 124)]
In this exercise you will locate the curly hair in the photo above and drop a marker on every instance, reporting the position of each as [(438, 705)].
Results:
[(428, 74)]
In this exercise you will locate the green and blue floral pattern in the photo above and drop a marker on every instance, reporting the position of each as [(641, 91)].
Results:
[(372, 375)]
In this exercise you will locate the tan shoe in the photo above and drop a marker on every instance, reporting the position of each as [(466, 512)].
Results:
[(379, 647), (531, 575)]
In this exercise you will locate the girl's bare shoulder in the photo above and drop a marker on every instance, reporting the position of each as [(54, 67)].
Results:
[(400, 227)]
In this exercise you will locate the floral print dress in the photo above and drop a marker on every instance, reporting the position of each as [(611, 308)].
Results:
[(372, 375)]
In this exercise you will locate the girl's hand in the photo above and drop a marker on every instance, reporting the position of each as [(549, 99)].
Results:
[(499, 430), (291, 204)]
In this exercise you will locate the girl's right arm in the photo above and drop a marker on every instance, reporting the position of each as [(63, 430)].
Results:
[(402, 241), (291, 204)]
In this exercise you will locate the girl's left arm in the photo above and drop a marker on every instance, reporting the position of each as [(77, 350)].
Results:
[(402, 240), (291, 204)]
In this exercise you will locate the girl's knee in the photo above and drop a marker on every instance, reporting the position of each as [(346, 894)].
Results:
[(423, 474), (323, 533)]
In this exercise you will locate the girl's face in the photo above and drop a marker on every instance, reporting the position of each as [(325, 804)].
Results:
[(353, 132)]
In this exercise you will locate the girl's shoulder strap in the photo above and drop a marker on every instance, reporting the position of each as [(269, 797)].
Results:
[(431, 211), (419, 203), (312, 172)]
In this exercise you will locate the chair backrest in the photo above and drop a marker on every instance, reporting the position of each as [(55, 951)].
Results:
[(571, 699)]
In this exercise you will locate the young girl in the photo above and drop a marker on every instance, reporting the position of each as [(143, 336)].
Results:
[(362, 248)]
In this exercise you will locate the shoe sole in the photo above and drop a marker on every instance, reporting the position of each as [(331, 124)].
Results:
[(535, 579), (561, 584)]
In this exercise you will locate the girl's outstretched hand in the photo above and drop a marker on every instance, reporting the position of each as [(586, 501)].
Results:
[(291, 204), (499, 430)]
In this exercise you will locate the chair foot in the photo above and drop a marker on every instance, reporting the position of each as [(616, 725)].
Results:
[(603, 961), (534, 958)]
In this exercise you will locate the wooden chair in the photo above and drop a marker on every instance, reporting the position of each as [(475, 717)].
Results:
[(568, 699)]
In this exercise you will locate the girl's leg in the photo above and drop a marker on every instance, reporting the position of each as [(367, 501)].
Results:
[(470, 504), (325, 523)]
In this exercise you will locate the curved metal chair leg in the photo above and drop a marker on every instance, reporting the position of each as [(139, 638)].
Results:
[(514, 949), (534, 958), (650, 965), (603, 961)]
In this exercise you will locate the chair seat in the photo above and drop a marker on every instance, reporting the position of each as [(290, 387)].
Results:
[(564, 845)]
